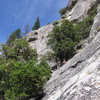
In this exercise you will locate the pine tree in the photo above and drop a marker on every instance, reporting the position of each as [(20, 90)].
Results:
[(15, 35), (37, 24)]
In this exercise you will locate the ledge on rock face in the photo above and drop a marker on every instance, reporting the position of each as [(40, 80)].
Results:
[(32, 39)]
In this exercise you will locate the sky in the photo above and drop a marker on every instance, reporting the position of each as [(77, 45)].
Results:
[(16, 14)]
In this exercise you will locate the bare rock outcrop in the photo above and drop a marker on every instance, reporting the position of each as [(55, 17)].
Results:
[(80, 10), (38, 40), (96, 25), (79, 78)]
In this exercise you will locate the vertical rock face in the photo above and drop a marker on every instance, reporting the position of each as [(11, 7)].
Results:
[(80, 10), (79, 78), (96, 25), (38, 39)]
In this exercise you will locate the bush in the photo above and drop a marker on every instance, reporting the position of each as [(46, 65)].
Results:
[(21, 76), (55, 22), (48, 56), (62, 11), (63, 17), (66, 36), (83, 28), (19, 50), (20, 80), (62, 40)]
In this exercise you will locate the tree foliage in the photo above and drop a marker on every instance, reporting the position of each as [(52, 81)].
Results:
[(66, 36), (21, 76), (19, 50), (62, 11), (62, 40), (20, 80), (83, 28), (15, 35)]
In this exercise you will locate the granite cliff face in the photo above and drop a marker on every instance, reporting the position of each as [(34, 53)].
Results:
[(80, 9), (38, 39), (79, 78)]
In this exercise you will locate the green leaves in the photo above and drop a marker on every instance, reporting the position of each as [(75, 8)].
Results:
[(66, 36), (23, 79), (62, 11), (21, 76), (62, 40), (83, 28), (19, 50), (15, 35)]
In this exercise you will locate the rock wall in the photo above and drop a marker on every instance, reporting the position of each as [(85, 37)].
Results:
[(95, 26), (80, 10), (38, 40), (79, 78)]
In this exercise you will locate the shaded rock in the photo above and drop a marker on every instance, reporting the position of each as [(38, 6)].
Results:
[(71, 4), (53, 65), (32, 39), (2, 95)]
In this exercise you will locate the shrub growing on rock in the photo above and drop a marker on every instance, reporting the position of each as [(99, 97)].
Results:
[(20, 80), (21, 76), (19, 50), (55, 22), (62, 40), (66, 36), (83, 28), (62, 11)]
